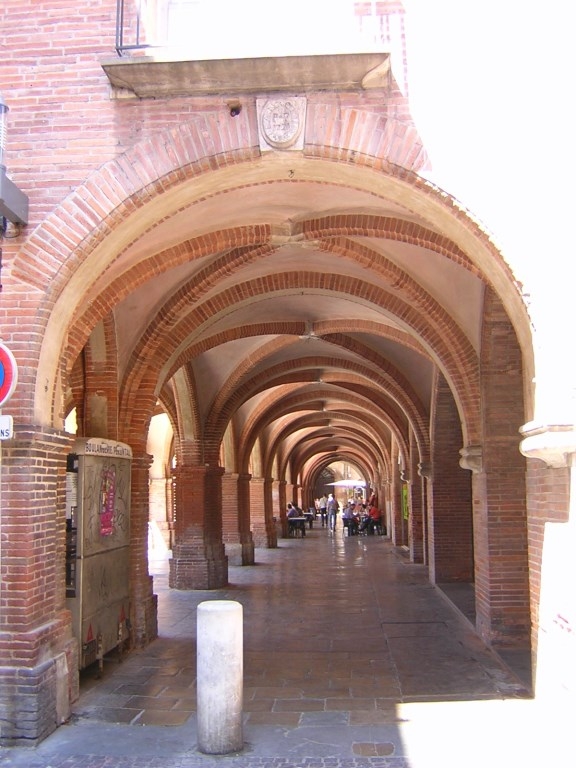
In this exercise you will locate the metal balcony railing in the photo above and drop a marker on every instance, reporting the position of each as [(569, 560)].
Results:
[(129, 29)]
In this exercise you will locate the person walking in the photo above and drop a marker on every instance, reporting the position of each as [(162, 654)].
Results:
[(332, 508), (323, 503)]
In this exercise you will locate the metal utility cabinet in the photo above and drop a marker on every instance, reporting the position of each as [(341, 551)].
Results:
[(97, 546)]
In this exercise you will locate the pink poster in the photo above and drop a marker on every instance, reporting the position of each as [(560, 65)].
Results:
[(107, 501)]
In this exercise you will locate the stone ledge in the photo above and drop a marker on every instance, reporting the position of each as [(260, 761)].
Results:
[(157, 77)]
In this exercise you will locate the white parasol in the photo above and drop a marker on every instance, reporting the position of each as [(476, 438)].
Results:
[(349, 484)]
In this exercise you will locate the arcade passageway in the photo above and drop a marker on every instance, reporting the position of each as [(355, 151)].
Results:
[(239, 290)]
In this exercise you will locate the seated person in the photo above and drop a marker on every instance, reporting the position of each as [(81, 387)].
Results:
[(366, 520), (295, 525), (375, 519), (349, 519)]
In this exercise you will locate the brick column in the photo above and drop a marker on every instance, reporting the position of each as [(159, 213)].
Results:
[(263, 527), (500, 516), (198, 559), (275, 490), (257, 512), (384, 500), (450, 535), (161, 507), (500, 553), (144, 603), (395, 499), (279, 511), (415, 521), (271, 528), (291, 493), (425, 474), (236, 532), (38, 654), (279, 508)]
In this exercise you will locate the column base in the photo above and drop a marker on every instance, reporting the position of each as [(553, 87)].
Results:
[(240, 553), (145, 621), (189, 570), (266, 537), (34, 701)]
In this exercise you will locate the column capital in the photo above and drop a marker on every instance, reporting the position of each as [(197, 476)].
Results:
[(239, 476), (471, 458), (554, 444), (425, 469), (143, 460)]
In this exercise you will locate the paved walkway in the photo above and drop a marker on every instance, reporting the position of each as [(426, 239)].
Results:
[(351, 660)]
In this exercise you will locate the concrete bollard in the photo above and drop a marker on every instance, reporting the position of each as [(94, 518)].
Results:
[(219, 675)]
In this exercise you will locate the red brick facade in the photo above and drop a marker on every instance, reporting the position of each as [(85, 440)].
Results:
[(160, 234)]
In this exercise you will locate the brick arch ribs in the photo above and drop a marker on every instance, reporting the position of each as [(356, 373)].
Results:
[(358, 407), (317, 439), (353, 450), (285, 401), (111, 198), (318, 424), (445, 342), (417, 309), (384, 378)]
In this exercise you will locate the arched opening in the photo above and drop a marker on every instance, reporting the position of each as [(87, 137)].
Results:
[(321, 332)]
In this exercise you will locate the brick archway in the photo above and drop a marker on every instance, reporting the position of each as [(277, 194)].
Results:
[(73, 244)]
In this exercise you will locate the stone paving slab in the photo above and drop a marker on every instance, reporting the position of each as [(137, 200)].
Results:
[(328, 678), (195, 761)]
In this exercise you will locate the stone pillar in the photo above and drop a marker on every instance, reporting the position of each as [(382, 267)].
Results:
[(220, 676), (236, 532), (144, 603), (38, 654), (198, 560)]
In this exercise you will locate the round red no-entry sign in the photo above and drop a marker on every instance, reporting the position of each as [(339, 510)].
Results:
[(8, 374)]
